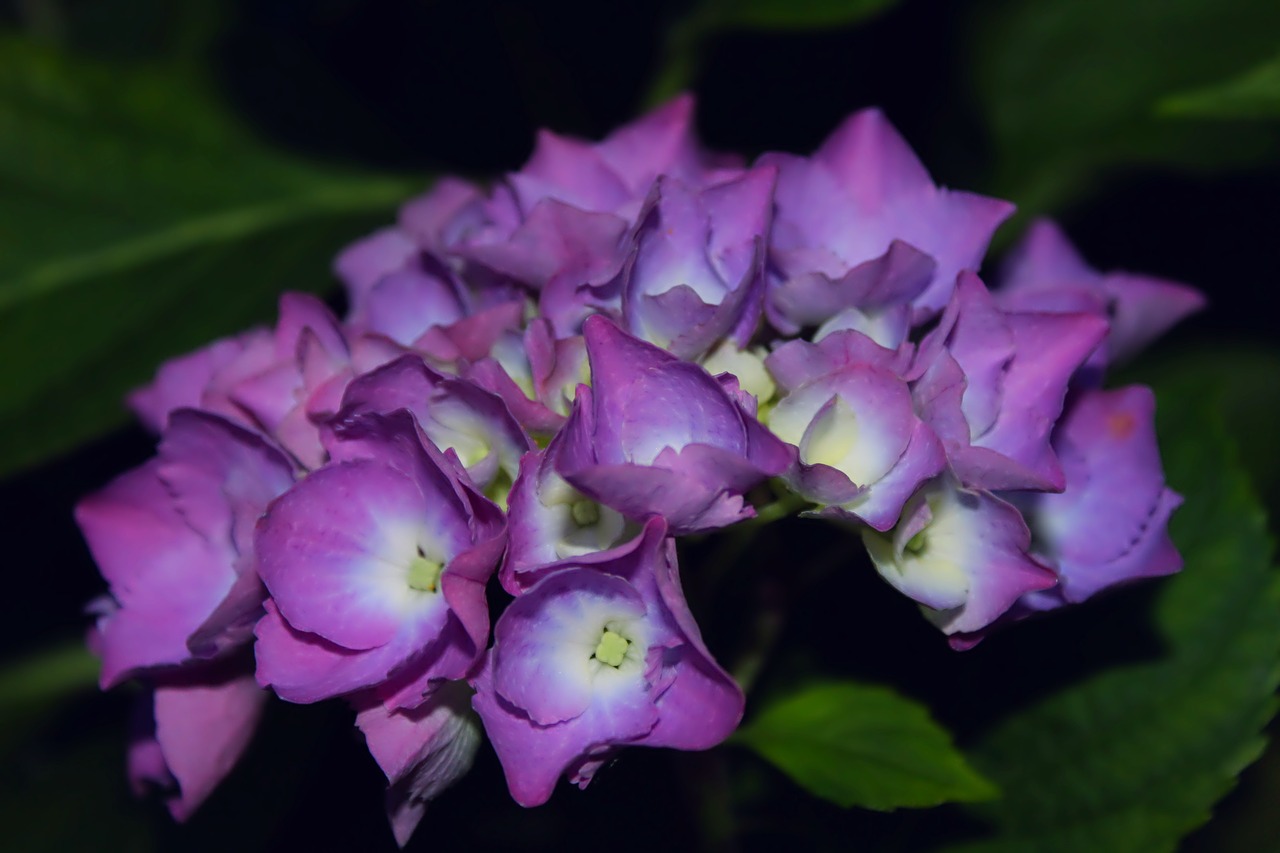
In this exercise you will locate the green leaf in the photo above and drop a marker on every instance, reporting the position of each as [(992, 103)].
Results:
[(857, 745), (1252, 95), (1135, 757), (33, 687), (1068, 88), (1240, 378), (138, 220)]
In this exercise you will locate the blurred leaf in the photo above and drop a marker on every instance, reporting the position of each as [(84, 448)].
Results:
[(31, 688), (138, 221), (73, 797), (51, 674), (1068, 88), (686, 38), (1240, 379), (1134, 758), (865, 746), (1255, 94)]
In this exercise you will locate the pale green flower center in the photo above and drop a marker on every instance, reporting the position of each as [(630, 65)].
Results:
[(612, 648), (424, 574)]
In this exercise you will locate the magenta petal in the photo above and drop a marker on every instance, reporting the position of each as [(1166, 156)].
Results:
[(202, 730), (422, 751), (305, 668), (166, 578), (181, 382), (221, 476), (1050, 348)]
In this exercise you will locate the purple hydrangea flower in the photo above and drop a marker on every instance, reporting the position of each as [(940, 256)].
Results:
[(697, 272), (862, 451), (658, 436), (536, 375), (174, 539), (597, 656), (376, 564), (549, 521), (862, 190), (991, 385), (962, 554), (615, 175)]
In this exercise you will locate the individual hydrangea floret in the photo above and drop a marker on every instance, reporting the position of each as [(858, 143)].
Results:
[(960, 553), (654, 435), (697, 274), (376, 564), (991, 384), (597, 656), (861, 449)]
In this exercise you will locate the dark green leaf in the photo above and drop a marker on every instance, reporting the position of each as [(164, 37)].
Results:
[(137, 221), (1253, 95), (32, 688), (1134, 758), (857, 745), (1240, 377), (1068, 88)]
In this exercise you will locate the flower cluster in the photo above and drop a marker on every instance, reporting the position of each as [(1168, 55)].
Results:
[(550, 380)]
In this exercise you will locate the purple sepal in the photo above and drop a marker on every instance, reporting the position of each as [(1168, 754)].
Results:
[(364, 263), (614, 175), (470, 338), (550, 706), (405, 303), (300, 381), (865, 188), (181, 382), (173, 540), (557, 239), (658, 436), (798, 362), (876, 294), (195, 727), (696, 275), (1045, 273), (445, 217), (454, 414), (422, 751), (962, 554), (1110, 524)]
